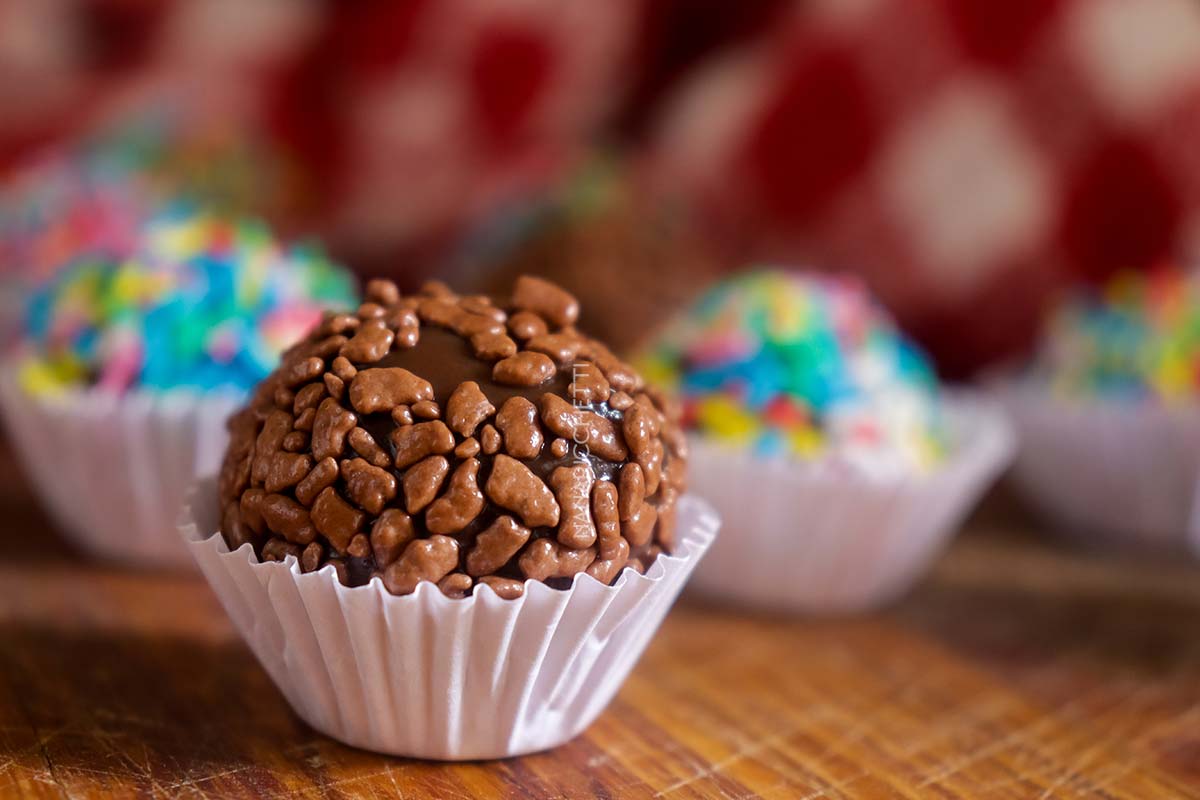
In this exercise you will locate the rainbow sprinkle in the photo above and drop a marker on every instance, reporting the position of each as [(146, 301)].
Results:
[(798, 365), (201, 302), (56, 211), (91, 197), (1137, 339)]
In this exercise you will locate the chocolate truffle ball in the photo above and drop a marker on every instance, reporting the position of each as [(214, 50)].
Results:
[(455, 439)]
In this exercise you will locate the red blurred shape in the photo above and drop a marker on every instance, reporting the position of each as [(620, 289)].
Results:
[(511, 69), (1000, 33), (1121, 211), (815, 134)]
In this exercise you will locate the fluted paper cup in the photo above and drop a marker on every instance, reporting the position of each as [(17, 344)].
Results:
[(113, 470), (427, 676), (1107, 471), (804, 537)]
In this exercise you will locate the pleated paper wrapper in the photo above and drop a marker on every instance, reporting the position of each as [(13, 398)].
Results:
[(809, 538), (113, 470), (427, 676), (1109, 472)]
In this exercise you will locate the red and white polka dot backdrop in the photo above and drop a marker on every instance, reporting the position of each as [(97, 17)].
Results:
[(420, 116), (966, 155), (68, 67), (404, 120)]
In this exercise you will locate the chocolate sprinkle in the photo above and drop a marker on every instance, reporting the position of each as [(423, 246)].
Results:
[(431, 446)]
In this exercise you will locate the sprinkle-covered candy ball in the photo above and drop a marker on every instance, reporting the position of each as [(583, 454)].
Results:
[(92, 196), (1136, 339), (807, 367), (199, 301)]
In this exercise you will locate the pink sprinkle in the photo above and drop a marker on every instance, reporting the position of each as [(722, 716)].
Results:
[(121, 370), (223, 346), (719, 349)]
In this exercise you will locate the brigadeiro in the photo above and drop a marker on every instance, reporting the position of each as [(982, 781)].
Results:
[(1108, 412), (822, 435), (450, 524)]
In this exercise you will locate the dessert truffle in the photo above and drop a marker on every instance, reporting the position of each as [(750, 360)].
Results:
[(1108, 412), (1135, 339), (803, 366), (820, 434), (455, 439), (91, 196), (193, 300)]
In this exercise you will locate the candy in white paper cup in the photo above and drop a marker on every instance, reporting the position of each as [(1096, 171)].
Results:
[(427, 676), (113, 470), (813, 538), (1108, 471)]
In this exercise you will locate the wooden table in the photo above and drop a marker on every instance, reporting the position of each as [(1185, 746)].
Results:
[(1016, 670)]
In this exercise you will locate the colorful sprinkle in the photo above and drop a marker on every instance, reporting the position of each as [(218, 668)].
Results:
[(200, 301), (1137, 339), (89, 199), (809, 366)]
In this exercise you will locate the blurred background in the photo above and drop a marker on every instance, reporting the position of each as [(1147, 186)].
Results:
[(975, 163), (968, 158)]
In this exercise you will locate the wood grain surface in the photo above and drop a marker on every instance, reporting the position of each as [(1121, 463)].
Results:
[(1016, 670)]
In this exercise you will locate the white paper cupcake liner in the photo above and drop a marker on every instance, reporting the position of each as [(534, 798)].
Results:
[(427, 676), (1108, 471), (113, 470), (811, 538)]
